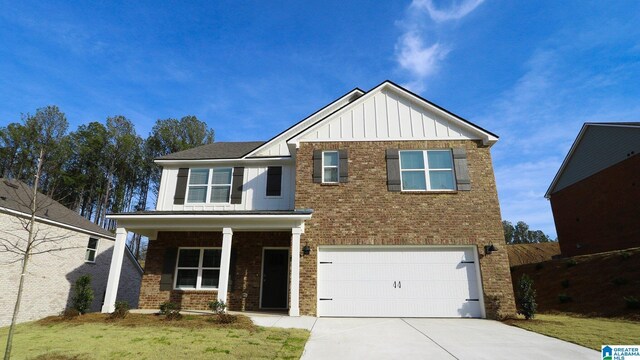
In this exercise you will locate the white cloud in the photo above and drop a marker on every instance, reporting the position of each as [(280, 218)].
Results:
[(454, 12)]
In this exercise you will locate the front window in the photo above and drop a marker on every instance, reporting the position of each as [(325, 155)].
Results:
[(426, 170), (198, 268), (92, 247), (330, 166), (209, 185)]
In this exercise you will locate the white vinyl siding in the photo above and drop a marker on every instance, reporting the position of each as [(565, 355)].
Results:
[(197, 268), (399, 281), (209, 185), (427, 170)]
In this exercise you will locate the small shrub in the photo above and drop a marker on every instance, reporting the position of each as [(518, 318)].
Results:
[(564, 298), (565, 283), (571, 263), (619, 281), (218, 307), (624, 255), (170, 310), (526, 297), (69, 313), (83, 294), (632, 302), (539, 266), (121, 311)]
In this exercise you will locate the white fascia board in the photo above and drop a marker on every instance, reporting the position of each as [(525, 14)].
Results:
[(221, 161), (311, 119), (209, 216), (566, 160), (487, 138), (56, 223)]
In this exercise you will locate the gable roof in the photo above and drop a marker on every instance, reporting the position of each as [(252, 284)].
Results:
[(604, 150), (15, 199), (216, 150)]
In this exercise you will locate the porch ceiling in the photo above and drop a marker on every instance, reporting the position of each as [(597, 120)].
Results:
[(148, 223)]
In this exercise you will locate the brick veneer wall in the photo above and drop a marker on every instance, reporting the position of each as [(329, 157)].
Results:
[(363, 212), (246, 276), (600, 213)]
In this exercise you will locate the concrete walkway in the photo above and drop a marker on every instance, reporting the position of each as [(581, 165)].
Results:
[(382, 338)]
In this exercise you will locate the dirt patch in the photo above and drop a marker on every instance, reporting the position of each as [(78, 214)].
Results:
[(150, 320), (520, 254)]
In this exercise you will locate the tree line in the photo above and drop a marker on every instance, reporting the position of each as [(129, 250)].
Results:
[(100, 167), (520, 234)]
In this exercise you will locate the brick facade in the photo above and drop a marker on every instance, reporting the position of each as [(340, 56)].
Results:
[(363, 212), (600, 213), (245, 276)]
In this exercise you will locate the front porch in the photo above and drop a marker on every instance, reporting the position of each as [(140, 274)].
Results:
[(249, 260)]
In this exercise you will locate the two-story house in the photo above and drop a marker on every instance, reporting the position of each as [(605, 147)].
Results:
[(379, 204)]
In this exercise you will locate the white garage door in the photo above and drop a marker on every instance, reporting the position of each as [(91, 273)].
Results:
[(398, 282)]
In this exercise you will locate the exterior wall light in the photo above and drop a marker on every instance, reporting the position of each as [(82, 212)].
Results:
[(306, 250), (488, 249)]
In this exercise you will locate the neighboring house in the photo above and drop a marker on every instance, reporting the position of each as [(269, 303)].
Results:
[(75, 247), (379, 204), (595, 196)]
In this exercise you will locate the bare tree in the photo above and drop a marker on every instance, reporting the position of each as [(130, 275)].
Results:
[(13, 242)]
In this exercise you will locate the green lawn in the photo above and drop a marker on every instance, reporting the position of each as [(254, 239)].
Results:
[(146, 337), (585, 331)]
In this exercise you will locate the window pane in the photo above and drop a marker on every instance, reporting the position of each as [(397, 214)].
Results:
[(93, 244), (413, 180), (411, 160), (189, 258), (274, 180), (211, 258), (220, 194), (210, 278), (330, 158), (331, 175), (197, 194), (439, 159), (441, 180), (221, 176), (90, 255), (187, 278), (199, 176)]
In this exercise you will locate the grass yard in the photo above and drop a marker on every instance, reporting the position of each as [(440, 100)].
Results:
[(588, 332), (138, 336)]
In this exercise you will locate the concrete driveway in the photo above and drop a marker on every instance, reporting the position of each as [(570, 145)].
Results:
[(367, 338)]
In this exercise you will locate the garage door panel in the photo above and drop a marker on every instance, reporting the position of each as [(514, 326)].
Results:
[(429, 282)]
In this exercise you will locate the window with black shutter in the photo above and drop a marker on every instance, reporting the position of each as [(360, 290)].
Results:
[(274, 181)]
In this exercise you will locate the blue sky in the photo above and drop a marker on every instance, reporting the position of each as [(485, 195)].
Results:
[(532, 72)]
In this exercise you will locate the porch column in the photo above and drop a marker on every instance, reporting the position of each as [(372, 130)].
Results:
[(294, 307), (114, 271), (225, 260)]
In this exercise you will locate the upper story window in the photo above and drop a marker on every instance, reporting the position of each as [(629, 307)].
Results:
[(330, 161), (274, 181), (92, 248), (426, 170), (198, 268), (209, 185)]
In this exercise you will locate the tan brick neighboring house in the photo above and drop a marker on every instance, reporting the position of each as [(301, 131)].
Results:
[(87, 249), (379, 204)]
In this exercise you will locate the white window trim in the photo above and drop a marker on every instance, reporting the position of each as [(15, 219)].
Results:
[(199, 268), (266, 172), (95, 251), (209, 185), (426, 171), (337, 167)]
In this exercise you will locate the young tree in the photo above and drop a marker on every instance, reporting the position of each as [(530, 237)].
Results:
[(526, 297)]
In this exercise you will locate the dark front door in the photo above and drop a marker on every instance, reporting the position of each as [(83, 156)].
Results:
[(275, 279)]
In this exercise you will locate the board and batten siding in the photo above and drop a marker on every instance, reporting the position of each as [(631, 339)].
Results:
[(254, 189), (600, 148), (386, 116)]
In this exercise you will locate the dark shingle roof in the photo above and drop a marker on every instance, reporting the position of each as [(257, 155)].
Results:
[(218, 150), (16, 196)]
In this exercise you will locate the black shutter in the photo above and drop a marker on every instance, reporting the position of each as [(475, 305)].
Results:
[(463, 181), (168, 269), (274, 180), (236, 185), (393, 170), (317, 166), (181, 186), (344, 165)]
